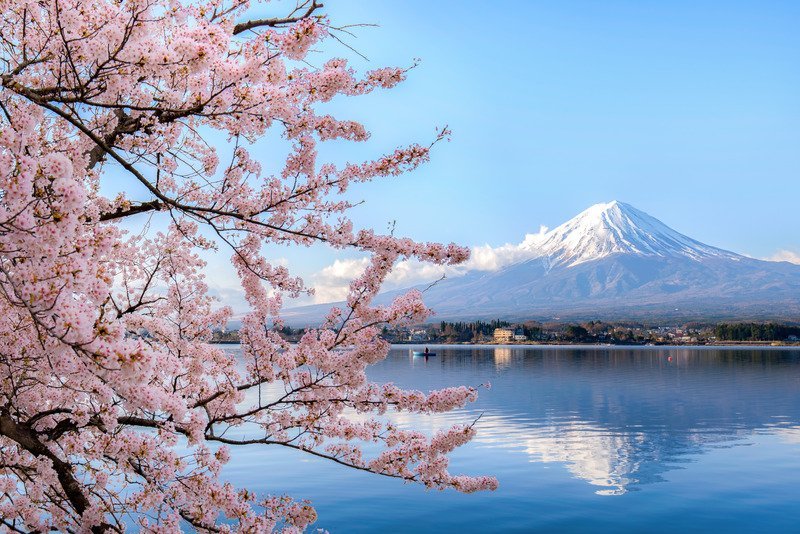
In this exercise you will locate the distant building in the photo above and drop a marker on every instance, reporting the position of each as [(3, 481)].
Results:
[(418, 335), (503, 335), (519, 335)]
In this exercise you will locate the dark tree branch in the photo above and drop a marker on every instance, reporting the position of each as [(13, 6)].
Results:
[(126, 125), (153, 205), (26, 438), (276, 22)]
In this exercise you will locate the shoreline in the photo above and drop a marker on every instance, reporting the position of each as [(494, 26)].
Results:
[(733, 344), (716, 344)]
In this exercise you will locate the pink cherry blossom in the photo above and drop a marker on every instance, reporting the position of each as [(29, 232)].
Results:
[(107, 374)]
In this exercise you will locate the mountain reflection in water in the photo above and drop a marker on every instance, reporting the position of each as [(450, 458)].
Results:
[(590, 438), (621, 418)]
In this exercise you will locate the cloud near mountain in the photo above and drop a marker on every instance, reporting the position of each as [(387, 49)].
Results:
[(785, 255), (611, 261), (331, 282)]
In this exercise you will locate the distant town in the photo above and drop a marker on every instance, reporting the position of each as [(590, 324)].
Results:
[(592, 332)]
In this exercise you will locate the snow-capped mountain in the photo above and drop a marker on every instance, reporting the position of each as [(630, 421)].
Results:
[(618, 228), (613, 261)]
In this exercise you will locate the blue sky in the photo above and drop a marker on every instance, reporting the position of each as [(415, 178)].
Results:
[(688, 110)]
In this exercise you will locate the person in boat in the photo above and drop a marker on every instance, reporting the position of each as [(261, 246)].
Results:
[(427, 350)]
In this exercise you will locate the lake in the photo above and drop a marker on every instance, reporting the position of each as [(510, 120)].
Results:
[(601, 439)]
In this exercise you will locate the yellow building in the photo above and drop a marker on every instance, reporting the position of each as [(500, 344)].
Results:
[(503, 335)]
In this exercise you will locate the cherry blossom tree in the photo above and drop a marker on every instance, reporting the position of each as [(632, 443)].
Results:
[(115, 409)]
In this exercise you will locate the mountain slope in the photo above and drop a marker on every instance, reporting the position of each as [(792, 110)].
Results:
[(613, 261), (618, 228)]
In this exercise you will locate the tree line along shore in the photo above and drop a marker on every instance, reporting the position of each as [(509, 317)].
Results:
[(591, 332)]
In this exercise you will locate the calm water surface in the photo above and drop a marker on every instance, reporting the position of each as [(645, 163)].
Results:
[(581, 439)]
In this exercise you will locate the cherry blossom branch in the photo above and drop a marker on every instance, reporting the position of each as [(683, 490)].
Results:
[(313, 6), (105, 357)]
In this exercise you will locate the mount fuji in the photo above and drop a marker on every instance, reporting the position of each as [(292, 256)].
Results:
[(615, 262)]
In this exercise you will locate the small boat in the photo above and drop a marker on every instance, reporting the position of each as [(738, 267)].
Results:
[(422, 353)]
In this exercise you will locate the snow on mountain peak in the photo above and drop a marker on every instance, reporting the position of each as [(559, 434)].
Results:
[(618, 228)]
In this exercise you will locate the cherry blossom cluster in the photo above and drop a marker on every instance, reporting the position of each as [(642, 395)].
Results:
[(114, 405)]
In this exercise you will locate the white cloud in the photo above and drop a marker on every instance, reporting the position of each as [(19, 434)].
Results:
[(488, 258), (410, 272), (331, 283), (785, 255)]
